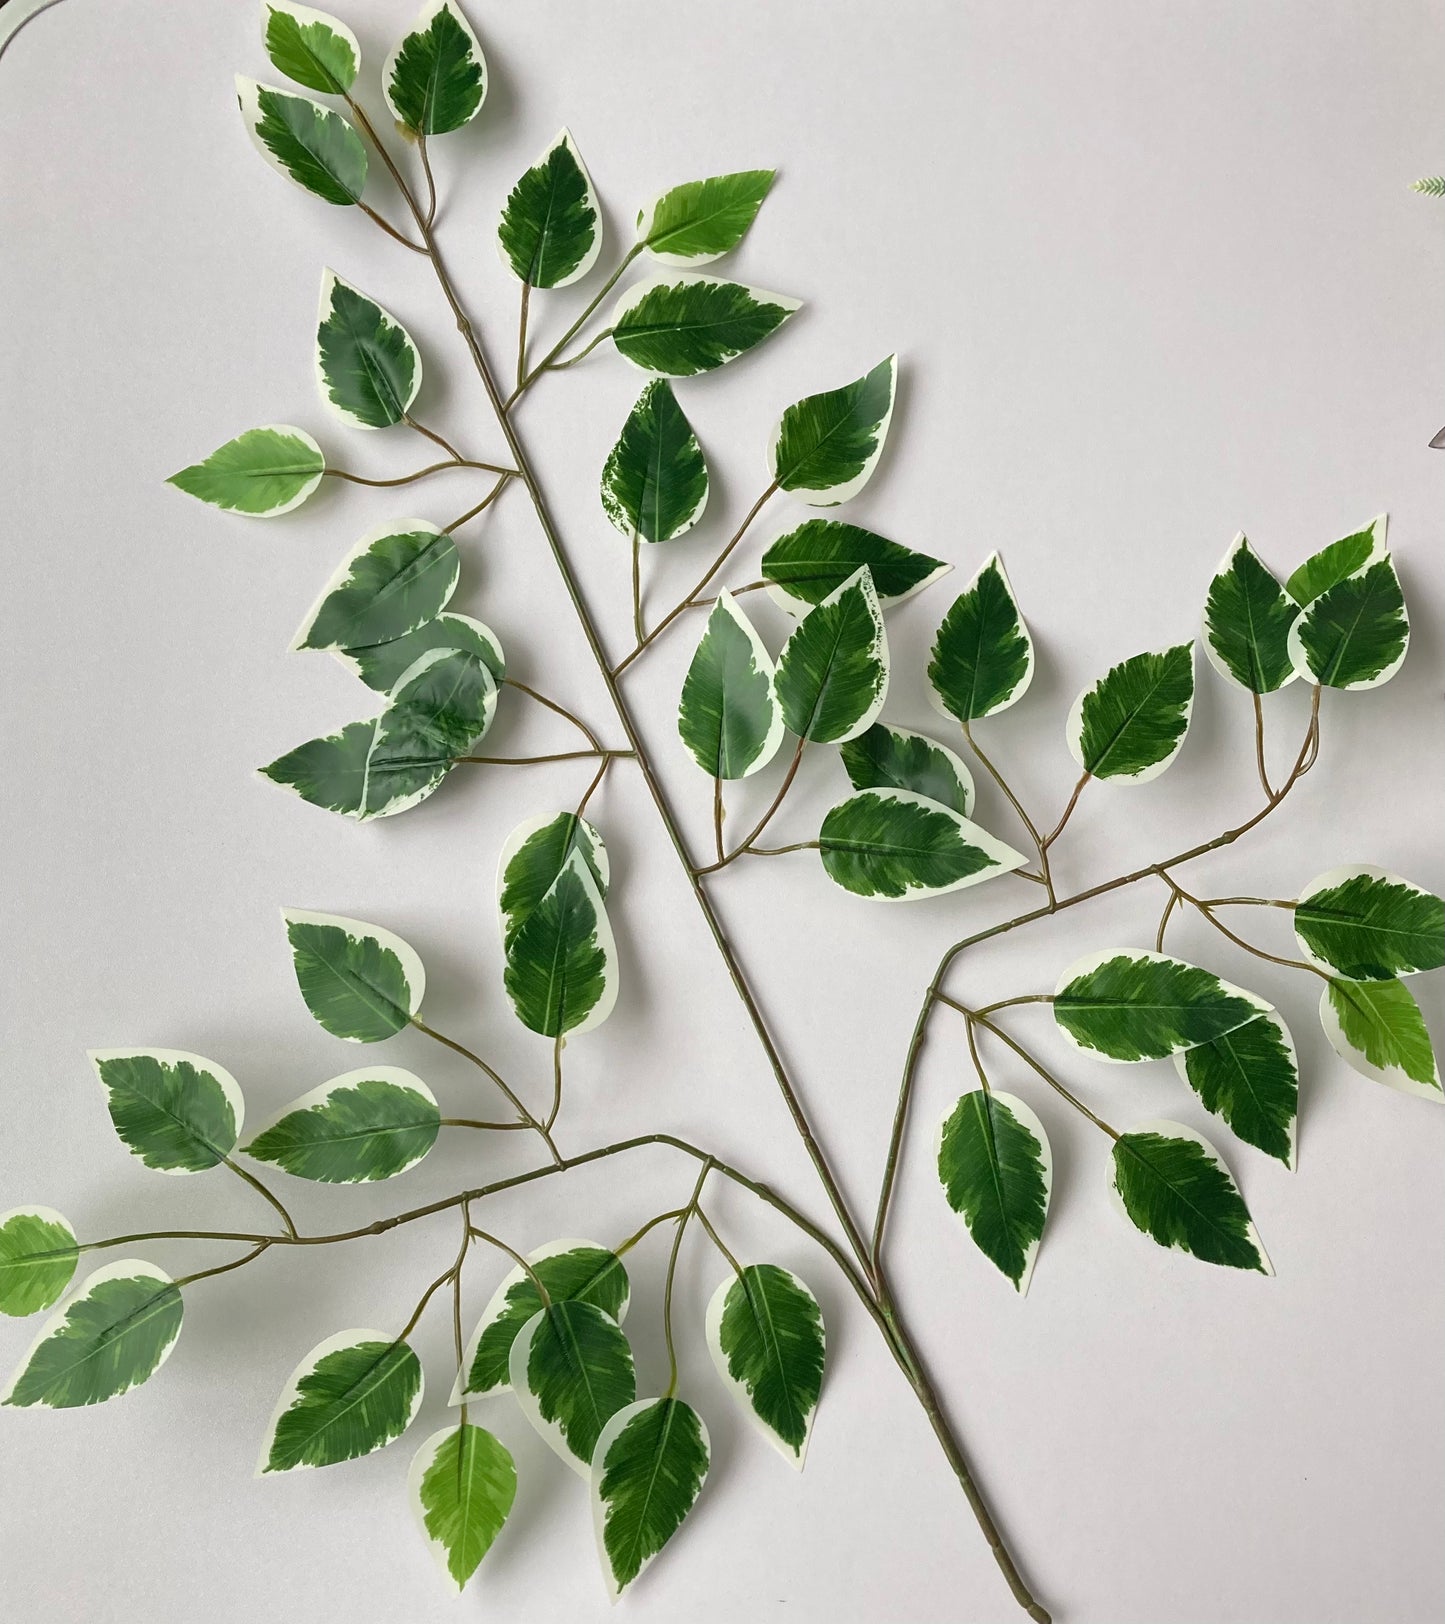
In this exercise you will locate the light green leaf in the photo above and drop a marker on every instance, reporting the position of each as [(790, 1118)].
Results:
[(1125, 1004), (177, 1112), (832, 676), (678, 325), (1250, 1078), (729, 716), (701, 220), (397, 577), (361, 982), (809, 563), (888, 757), (765, 1333), (571, 1369), (1354, 635), (655, 484), (111, 1334), (310, 47), (461, 1485), (1367, 925), (436, 79), (261, 473), (533, 858), (367, 365), (382, 665), (1171, 1184), (1131, 723), (351, 1395), (825, 447), (983, 656), (1376, 1028), (550, 232), (561, 970), (651, 1461), (572, 1271), (362, 1126), (38, 1254), (305, 141), (889, 844), (997, 1171), (1342, 558), (1247, 618)]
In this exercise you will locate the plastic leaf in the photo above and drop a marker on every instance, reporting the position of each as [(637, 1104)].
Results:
[(1247, 618), (532, 859), (177, 1112), (396, 578), (678, 325), (305, 141), (111, 1334), (561, 970), (351, 1395), (1250, 1079), (1377, 1029), (832, 675), (1355, 634), (1127, 1005), (1131, 724), (360, 1127), (997, 1170), (826, 446), (729, 716), (361, 983), (382, 665), (893, 845), (1367, 925), (461, 1484), (38, 1254), (701, 220), (367, 365), (261, 473), (809, 563), (1340, 559), (983, 656), (888, 757), (310, 47), (436, 79), (571, 1369), (655, 483), (550, 232), (765, 1333), (651, 1462), (1173, 1186)]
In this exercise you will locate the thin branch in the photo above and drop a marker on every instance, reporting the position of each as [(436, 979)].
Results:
[(522, 332), (546, 362), (671, 1273), (1169, 907), (437, 439), (263, 1191), (421, 473), (561, 710), (527, 1119), (581, 355), (767, 817), (481, 506), (717, 1241), (717, 818), (225, 1268), (1040, 1068), (486, 1127), (1059, 827), (651, 1224), (556, 1107), (537, 761), (782, 851), (390, 229), (637, 628), (1259, 746), (431, 185)]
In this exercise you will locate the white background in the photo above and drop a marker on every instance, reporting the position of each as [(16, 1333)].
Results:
[(1154, 275)]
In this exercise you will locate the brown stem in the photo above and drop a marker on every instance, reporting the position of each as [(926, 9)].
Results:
[(1259, 745), (1029, 1060), (410, 479), (560, 710), (1059, 827), (522, 333), (767, 817), (546, 362), (527, 1119), (261, 1189), (482, 506), (535, 761)]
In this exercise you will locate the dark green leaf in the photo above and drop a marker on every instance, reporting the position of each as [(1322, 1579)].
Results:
[(821, 555), (1368, 925), (1173, 1186), (311, 48), (436, 79), (463, 1482), (572, 1370), (359, 981), (329, 772), (370, 370), (701, 220), (550, 232), (729, 717), (1131, 723), (676, 326), (534, 857), (437, 713), (1332, 564), (996, 1169), (832, 675), (1131, 1005), (765, 1334), (1250, 1078), (260, 473), (302, 139), (350, 1396), (1247, 618), (888, 757), (382, 665), (826, 446), (1376, 1027), (648, 1477), (561, 971), (889, 843), (38, 1255), (177, 1112), (1355, 634), (366, 1125), (655, 485), (983, 656), (392, 582)]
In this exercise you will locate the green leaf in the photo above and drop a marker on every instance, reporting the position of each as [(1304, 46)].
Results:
[(382, 665), (368, 367), (550, 232), (311, 48), (654, 485), (436, 79), (729, 717), (1125, 1004), (1376, 1027), (651, 1462), (1250, 1078), (765, 1334), (832, 676), (561, 970), (329, 772), (1355, 635), (675, 326), (891, 844), (887, 757), (396, 578), (533, 858), (362, 1126), (810, 563), (997, 1171), (701, 220), (983, 656), (177, 1112), (1247, 618), (260, 473), (351, 1395), (572, 1271), (1367, 925), (1342, 558), (826, 446), (113, 1333), (1171, 1183), (38, 1254), (571, 1369), (305, 141), (462, 1484), (360, 982), (1131, 723)]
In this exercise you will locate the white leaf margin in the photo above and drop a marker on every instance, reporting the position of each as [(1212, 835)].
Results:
[(861, 580), (341, 576), (956, 763), (548, 1431), (411, 965), (763, 663), (563, 139), (1276, 1020), (1074, 726), (423, 22), (330, 281), (1005, 858), (994, 560), (395, 1076), (1240, 544), (1391, 1076), (712, 1326), (169, 1058), (305, 16), (1300, 658), (830, 496), (1341, 876), (634, 295), (248, 94), (421, 1464)]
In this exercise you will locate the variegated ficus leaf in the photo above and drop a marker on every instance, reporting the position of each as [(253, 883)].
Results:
[(533, 858), (305, 141), (1356, 633), (561, 961), (655, 483), (832, 675), (367, 365), (1377, 1029), (1366, 925), (38, 1254), (701, 220), (765, 1334), (997, 1170), (647, 1472), (676, 325), (551, 228), (436, 79), (365, 1125), (729, 717), (398, 576), (351, 1395), (1131, 724), (825, 447), (361, 982), (261, 473), (177, 1112), (813, 561), (1247, 620), (1249, 1078), (898, 846), (983, 656), (382, 665), (462, 1483), (311, 48), (888, 757), (1335, 563), (571, 1369)]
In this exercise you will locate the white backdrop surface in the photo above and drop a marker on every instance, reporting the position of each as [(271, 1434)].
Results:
[(1154, 276)]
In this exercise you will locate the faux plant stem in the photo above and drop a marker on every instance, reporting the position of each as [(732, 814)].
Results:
[(682, 1221), (545, 363), (411, 479), (266, 1194), (746, 844), (527, 1119)]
